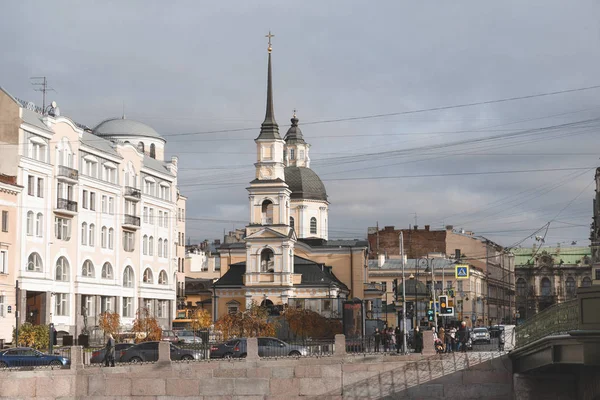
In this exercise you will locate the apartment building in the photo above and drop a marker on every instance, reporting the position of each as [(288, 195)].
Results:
[(96, 221)]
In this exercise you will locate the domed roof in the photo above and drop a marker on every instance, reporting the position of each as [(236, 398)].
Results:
[(125, 127), (294, 134), (304, 183)]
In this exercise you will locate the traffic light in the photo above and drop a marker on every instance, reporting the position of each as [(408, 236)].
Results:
[(430, 315), (451, 292), (444, 304)]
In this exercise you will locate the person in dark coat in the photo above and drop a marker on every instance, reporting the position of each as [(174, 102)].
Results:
[(109, 357), (463, 336), (377, 336), (399, 343), (418, 340)]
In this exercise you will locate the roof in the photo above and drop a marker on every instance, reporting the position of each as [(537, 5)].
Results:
[(318, 242), (414, 288), (269, 130), (35, 119), (156, 165), (304, 184), (98, 143), (197, 285), (125, 127), (569, 255), (294, 134), (411, 263)]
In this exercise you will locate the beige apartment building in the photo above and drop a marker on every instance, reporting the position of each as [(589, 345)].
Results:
[(97, 220)]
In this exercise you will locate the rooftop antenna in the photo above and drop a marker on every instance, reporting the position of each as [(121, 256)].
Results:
[(123, 117), (42, 82), (416, 217)]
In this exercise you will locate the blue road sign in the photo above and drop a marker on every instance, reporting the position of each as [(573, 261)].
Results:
[(462, 272)]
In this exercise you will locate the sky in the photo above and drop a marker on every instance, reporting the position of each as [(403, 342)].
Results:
[(199, 69)]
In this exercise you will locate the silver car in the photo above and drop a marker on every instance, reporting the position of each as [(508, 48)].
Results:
[(273, 347), (188, 337), (481, 335)]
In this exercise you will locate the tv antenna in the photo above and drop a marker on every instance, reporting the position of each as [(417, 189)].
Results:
[(42, 83)]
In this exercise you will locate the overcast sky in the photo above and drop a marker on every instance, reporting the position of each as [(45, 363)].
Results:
[(196, 67)]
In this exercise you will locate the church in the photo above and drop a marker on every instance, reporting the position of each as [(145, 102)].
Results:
[(286, 258)]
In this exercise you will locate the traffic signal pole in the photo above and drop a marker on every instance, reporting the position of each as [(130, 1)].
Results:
[(404, 327), (435, 314)]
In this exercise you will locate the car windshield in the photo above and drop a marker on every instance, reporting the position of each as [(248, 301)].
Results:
[(480, 330), (231, 342), (185, 333)]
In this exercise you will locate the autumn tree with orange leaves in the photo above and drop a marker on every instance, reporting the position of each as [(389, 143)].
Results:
[(110, 323), (146, 327), (252, 322), (310, 324)]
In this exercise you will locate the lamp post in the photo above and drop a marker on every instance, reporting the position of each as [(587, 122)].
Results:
[(429, 268), (404, 350)]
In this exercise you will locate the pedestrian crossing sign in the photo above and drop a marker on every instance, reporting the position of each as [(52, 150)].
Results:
[(462, 271)]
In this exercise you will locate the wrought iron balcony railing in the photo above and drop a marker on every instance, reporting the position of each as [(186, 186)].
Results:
[(68, 205), (68, 172), (131, 220), (133, 192), (555, 320)]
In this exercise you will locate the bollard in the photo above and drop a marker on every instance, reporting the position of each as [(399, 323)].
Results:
[(339, 346), (164, 352), (76, 357), (252, 349)]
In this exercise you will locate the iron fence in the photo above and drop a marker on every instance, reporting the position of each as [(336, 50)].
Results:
[(554, 320), (275, 348), (25, 358)]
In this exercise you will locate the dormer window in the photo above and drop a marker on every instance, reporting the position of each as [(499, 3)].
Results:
[(38, 149), (90, 166), (140, 147)]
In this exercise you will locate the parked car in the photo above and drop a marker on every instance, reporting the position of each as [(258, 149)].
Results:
[(481, 335), (98, 355), (188, 337), (267, 347), (170, 336), (496, 330), (148, 351), (28, 357)]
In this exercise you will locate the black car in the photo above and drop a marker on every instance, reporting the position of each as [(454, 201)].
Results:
[(229, 349), (28, 357), (98, 355), (148, 351)]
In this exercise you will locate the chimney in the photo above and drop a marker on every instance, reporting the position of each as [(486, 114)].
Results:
[(380, 260), (427, 228)]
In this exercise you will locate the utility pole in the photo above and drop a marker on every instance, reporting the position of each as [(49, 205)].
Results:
[(435, 314), (42, 82), (17, 295), (404, 327)]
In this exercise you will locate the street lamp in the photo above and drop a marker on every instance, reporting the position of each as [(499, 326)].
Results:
[(429, 268)]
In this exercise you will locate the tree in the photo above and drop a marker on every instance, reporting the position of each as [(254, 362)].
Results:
[(36, 336), (252, 322), (307, 323), (146, 327), (110, 323), (201, 319)]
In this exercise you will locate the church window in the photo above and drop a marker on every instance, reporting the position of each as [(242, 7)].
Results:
[(521, 287), (267, 152), (292, 222), (140, 147), (570, 286), (266, 260), (152, 151), (292, 154), (587, 282), (313, 226), (267, 212), (546, 288)]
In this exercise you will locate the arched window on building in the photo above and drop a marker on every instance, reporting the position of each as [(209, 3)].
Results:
[(267, 260), (145, 245), (162, 278), (30, 223), (545, 287), (166, 249), (92, 239), (267, 212), (152, 151), (34, 263), (313, 226), (148, 278), (151, 246), (88, 269), (107, 271), (587, 282), (160, 247), (570, 287), (84, 233), (521, 287), (140, 147), (128, 277), (292, 223), (62, 269), (103, 237), (39, 225)]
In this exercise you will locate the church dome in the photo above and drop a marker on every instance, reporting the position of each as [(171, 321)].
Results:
[(294, 134), (304, 184), (125, 127)]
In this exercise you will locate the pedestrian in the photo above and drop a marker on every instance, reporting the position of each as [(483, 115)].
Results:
[(418, 340), (377, 336), (392, 338), (442, 337), (398, 334), (109, 356), (384, 339), (463, 336), (453, 339)]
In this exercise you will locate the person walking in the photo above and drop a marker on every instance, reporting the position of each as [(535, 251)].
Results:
[(384, 339), (463, 336), (442, 337), (392, 339), (453, 339), (418, 340), (398, 335), (377, 336), (109, 356)]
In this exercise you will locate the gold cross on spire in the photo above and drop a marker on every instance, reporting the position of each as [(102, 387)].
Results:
[(269, 36)]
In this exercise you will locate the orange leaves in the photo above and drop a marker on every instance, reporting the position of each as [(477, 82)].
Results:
[(252, 322), (110, 323), (146, 327)]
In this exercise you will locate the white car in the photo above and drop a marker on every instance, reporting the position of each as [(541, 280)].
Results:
[(481, 335), (188, 337)]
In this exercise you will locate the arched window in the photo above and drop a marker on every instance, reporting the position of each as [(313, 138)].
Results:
[(267, 212), (152, 151), (107, 271), (34, 263), (166, 250), (62, 269), (546, 287), (103, 237), (145, 245), (30, 223), (39, 225), (88, 269), (151, 246), (128, 277), (292, 222), (162, 278), (521, 287), (111, 238), (587, 282), (313, 226), (160, 247), (148, 278), (92, 234), (267, 259), (571, 287), (84, 233), (140, 147)]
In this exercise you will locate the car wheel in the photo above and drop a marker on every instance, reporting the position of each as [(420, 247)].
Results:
[(55, 363), (294, 353), (227, 355), (3, 364), (135, 360), (243, 355), (187, 357)]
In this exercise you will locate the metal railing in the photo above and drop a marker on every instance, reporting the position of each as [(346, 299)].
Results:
[(554, 320), (131, 220), (296, 348), (133, 192), (65, 204), (68, 172)]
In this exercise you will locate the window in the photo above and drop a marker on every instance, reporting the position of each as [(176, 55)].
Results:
[(4, 221), (3, 262), (107, 271), (301, 154), (267, 212), (128, 241), (90, 167), (587, 282), (521, 287), (40, 187), (127, 307), (129, 207), (84, 233), (292, 222), (151, 246), (140, 147), (292, 153), (162, 278), (62, 304), (448, 284), (164, 192), (546, 289), (571, 287), (29, 223), (106, 304), (2, 301), (31, 185), (161, 311), (160, 218), (84, 199), (87, 270), (150, 187), (111, 205), (459, 286), (152, 151), (111, 238), (313, 226), (266, 260), (166, 219), (166, 250), (110, 173), (92, 240), (145, 215), (39, 225), (233, 307), (128, 277), (37, 149), (598, 274), (62, 228), (104, 201), (160, 247), (87, 305), (148, 278), (34, 263), (62, 269), (103, 233), (93, 201), (151, 216)]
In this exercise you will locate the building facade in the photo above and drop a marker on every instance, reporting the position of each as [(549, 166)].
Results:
[(97, 218)]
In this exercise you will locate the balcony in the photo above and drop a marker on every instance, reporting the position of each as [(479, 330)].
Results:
[(65, 206), (131, 222), (132, 193), (68, 174)]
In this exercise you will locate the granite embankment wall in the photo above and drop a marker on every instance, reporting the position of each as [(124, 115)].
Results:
[(453, 376)]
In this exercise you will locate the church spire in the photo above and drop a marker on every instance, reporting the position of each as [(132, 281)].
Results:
[(269, 128)]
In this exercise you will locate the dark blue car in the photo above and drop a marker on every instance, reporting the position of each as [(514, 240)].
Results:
[(28, 357)]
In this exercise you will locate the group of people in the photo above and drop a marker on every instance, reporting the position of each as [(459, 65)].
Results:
[(391, 339), (451, 339), (448, 340)]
